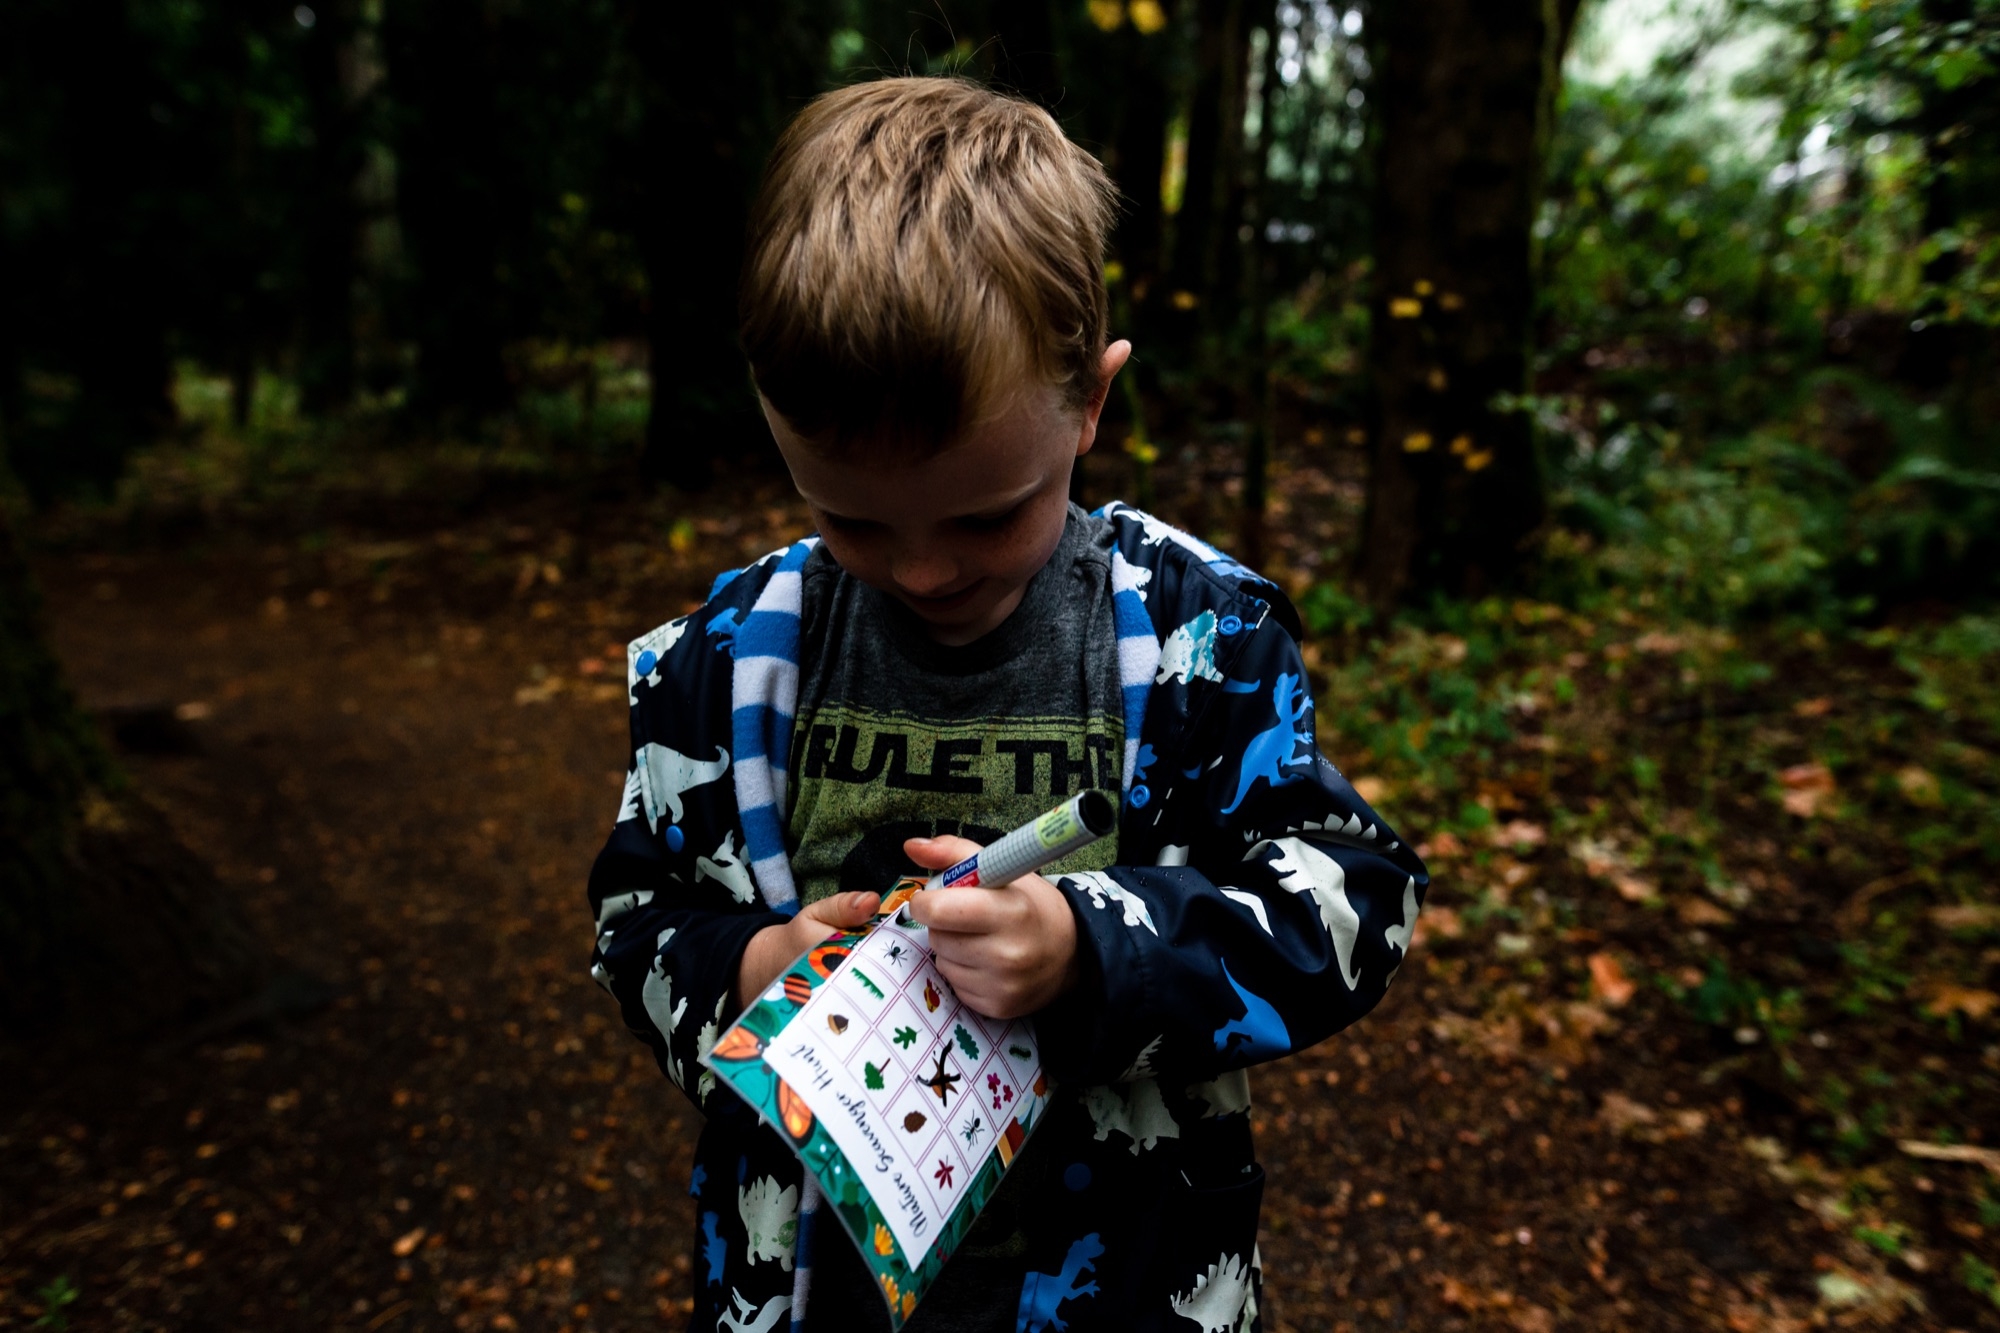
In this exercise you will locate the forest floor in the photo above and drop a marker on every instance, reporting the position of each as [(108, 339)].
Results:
[(404, 737)]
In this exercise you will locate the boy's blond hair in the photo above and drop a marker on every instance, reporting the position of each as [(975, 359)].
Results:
[(921, 248)]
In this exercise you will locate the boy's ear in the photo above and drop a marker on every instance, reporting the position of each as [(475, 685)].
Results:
[(1115, 357)]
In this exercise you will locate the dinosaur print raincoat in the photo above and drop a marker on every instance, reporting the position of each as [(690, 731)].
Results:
[(1258, 906)]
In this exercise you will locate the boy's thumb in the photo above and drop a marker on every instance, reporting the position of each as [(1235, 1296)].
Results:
[(846, 909)]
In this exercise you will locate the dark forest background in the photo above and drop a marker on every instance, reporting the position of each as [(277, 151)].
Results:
[(1614, 386)]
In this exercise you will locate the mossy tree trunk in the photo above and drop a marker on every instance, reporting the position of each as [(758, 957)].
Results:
[(106, 921), (1463, 94)]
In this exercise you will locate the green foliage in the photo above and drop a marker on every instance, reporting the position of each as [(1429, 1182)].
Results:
[(1980, 1278), (55, 1298)]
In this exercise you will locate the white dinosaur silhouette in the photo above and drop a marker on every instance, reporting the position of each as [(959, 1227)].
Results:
[(1142, 1066), (657, 642), (1398, 936), (665, 774), (725, 869), (1189, 652), (1224, 1095), (740, 1318), (618, 904), (1104, 891), (1254, 903), (658, 997), (1135, 1110), (635, 794), (1304, 868), (771, 1220), (1219, 1296), (704, 1042)]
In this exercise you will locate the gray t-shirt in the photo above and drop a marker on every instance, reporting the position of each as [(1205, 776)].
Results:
[(898, 736)]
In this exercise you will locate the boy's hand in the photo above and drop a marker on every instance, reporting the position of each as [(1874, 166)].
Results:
[(1007, 951), (772, 949)]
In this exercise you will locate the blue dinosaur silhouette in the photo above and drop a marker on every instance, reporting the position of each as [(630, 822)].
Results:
[(723, 629), (1261, 1030), (696, 1179), (1269, 752), (1044, 1293), (713, 1248)]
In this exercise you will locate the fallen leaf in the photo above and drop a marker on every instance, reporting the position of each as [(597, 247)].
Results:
[(1947, 998), (1962, 916), (1633, 889), (1442, 847), (1518, 833), (407, 1243), (1371, 790), (1694, 911), (1439, 922), (1532, 1319), (1620, 1113), (1919, 786), (1609, 982), (1819, 707), (1807, 787), (1656, 642)]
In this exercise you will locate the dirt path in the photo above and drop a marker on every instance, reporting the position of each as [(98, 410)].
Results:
[(409, 750)]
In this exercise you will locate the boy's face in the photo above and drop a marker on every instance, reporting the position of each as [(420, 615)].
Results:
[(955, 537)]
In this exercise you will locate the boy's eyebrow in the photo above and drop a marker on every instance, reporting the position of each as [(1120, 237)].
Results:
[(993, 510)]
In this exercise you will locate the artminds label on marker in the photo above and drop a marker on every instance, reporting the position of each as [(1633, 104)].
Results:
[(964, 875)]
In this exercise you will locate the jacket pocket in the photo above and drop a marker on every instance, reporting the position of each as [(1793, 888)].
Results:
[(1205, 1264)]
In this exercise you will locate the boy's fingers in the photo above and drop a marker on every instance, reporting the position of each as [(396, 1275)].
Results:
[(965, 911), (844, 909), (939, 853)]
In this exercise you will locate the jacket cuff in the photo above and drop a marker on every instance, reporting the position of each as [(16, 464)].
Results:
[(1086, 1036)]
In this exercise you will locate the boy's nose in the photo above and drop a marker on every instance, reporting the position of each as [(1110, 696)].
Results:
[(923, 574)]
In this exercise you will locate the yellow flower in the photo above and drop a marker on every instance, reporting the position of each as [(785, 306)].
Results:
[(1106, 14), (1405, 307), (1148, 17), (1417, 442), (1474, 462), (1462, 444), (1185, 300)]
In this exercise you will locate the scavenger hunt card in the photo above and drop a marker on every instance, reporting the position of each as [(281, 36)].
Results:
[(905, 1105)]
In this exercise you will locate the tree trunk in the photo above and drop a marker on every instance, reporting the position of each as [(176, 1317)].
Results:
[(1206, 224), (106, 922), (332, 216), (440, 71), (1260, 383), (694, 206), (1027, 61), (1463, 92), (123, 252), (1136, 158)]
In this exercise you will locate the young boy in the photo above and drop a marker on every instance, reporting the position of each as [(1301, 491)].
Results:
[(958, 649)]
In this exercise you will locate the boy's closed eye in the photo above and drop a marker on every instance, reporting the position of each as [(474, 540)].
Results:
[(989, 522), (853, 527)]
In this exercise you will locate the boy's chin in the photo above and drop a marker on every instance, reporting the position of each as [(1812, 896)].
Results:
[(959, 619)]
